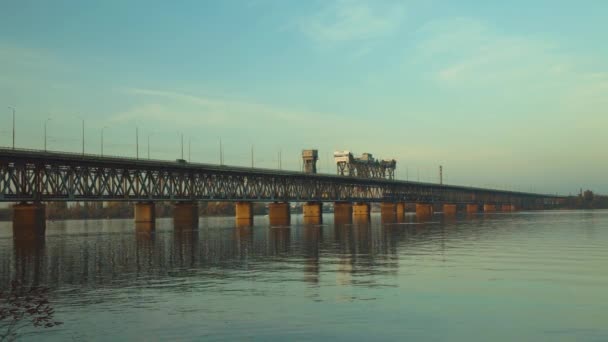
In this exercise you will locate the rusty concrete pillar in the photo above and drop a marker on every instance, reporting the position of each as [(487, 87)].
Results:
[(400, 209), (29, 221), (472, 208), (361, 209), (388, 212), (507, 207), (489, 208), (343, 213), (185, 215), (145, 212), (244, 214), (424, 210), (312, 212), (449, 209), (278, 214)]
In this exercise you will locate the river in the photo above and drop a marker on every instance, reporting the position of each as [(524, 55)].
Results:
[(526, 276)]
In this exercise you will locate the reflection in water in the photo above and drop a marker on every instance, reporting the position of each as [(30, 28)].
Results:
[(342, 260)]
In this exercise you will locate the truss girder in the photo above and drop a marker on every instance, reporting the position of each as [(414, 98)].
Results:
[(41, 178)]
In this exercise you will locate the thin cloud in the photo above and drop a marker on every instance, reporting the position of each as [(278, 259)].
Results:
[(342, 21)]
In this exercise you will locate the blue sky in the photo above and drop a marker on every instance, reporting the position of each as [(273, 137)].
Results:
[(502, 94)]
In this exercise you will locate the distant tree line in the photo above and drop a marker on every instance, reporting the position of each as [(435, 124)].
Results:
[(97, 210)]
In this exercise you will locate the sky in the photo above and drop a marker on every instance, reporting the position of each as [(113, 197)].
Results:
[(510, 94)]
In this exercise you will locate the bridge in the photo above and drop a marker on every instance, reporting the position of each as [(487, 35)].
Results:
[(32, 177)]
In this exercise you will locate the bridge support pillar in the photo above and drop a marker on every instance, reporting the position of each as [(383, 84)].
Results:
[(278, 214), (29, 221), (361, 209), (244, 214), (400, 209), (424, 210), (313, 212), (388, 212), (343, 213), (449, 209), (145, 212), (185, 215), (472, 208), (489, 208), (506, 207)]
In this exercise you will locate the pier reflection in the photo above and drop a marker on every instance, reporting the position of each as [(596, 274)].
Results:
[(115, 253)]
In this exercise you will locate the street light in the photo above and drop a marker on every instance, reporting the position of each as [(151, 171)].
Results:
[(83, 137), (45, 124), (136, 142), (102, 128), (13, 108), (149, 135)]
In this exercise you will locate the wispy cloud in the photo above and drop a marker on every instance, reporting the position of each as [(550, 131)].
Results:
[(468, 54), (350, 20), (188, 109)]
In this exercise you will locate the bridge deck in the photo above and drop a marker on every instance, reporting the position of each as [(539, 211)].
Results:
[(32, 175)]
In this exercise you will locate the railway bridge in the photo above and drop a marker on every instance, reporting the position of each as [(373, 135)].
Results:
[(31, 178)]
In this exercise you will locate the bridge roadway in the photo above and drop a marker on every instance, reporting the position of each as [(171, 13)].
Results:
[(33, 177)]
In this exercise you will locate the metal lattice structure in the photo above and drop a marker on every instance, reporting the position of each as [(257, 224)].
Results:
[(365, 166), (50, 176)]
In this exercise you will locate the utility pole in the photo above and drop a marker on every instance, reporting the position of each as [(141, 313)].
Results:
[(440, 175), (149, 145), (83, 137), (13, 109), (45, 124), (221, 153), (182, 146), (136, 142), (104, 127)]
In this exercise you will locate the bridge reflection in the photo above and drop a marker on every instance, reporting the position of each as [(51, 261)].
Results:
[(102, 254)]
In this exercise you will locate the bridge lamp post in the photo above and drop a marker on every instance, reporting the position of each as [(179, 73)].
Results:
[(83, 137), (102, 128), (14, 110), (45, 125), (136, 142), (149, 135)]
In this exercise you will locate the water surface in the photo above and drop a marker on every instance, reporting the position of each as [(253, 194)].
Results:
[(505, 276)]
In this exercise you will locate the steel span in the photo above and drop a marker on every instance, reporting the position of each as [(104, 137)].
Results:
[(34, 176)]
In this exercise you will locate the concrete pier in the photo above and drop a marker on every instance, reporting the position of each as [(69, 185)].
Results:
[(313, 212), (244, 214), (489, 208), (343, 212), (145, 212), (449, 209), (185, 215), (400, 210), (29, 221), (424, 210), (472, 208), (278, 214), (343, 209), (388, 212), (361, 209), (507, 207)]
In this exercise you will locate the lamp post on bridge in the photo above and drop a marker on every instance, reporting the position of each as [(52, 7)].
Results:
[(83, 137), (102, 128), (149, 135), (14, 110), (45, 125), (136, 142)]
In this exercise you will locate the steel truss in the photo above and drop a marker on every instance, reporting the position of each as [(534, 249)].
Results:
[(44, 176)]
